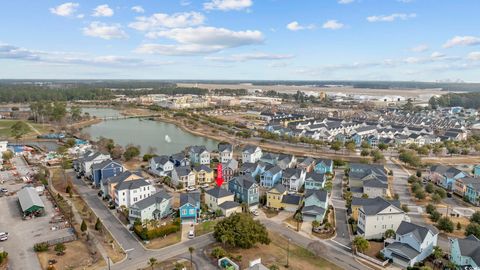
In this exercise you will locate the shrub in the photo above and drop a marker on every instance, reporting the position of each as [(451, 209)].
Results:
[(60, 248), (430, 208), (98, 225), (3, 256), (40, 247), (218, 252), (162, 231), (435, 216), (405, 208), (445, 224)]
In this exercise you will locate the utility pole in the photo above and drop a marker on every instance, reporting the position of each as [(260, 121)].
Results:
[(108, 262), (288, 251)]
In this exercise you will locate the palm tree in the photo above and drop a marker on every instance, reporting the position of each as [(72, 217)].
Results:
[(191, 249), (152, 262), (299, 218)]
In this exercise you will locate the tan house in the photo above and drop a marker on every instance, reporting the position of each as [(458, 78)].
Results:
[(216, 196), (111, 183), (203, 174)]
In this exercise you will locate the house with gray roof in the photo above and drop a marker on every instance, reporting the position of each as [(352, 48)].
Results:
[(30, 202), (315, 205), (413, 243), (155, 207), (245, 190), (161, 165), (251, 154), (183, 175), (226, 152), (293, 179), (131, 191), (199, 155), (465, 253)]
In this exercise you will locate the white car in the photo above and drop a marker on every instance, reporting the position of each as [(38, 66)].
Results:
[(190, 188), (3, 236), (255, 213), (205, 186), (191, 234), (3, 190)]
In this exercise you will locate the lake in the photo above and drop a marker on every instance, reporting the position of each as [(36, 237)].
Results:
[(145, 133)]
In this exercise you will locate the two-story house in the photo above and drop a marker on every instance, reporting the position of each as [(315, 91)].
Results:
[(292, 202), (370, 179), (155, 207), (460, 185), (375, 219), (307, 164), (161, 165), (184, 176), (199, 155), (129, 192), (271, 176), (358, 202), (315, 205), (88, 161), (286, 161), (203, 174), (214, 197), (251, 154), (413, 243), (314, 181), (189, 209), (226, 152), (465, 253), (105, 169), (108, 184), (275, 195), (445, 176), (324, 166), (229, 169), (293, 179), (245, 190), (473, 193), (180, 160)]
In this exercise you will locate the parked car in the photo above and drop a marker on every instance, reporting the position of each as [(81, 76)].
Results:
[(3, 190), (190, 189), (191, 234), (205, 186), (449, 194), (3, 236), (255, 213)]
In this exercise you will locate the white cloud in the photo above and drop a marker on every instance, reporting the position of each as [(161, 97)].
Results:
[(105, 31), (161, 20), (138, 9), (333, 25), (462, 41), (200, 40), (295, 26), (185, 3), (249, 56), (437, 55), (420, 48), (474, 56), (65, 9), (102, 11), (344, 2), (391, 17), (226, 5)]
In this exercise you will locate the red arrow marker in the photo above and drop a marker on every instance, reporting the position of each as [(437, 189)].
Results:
[(219, 179)]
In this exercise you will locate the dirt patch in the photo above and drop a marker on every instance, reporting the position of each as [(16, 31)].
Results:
[(374, 250), (77, 256), (270, 212), (171, 264), (169, 240)]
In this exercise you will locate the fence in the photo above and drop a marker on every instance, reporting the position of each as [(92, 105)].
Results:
[(373, 260), (65, 239)]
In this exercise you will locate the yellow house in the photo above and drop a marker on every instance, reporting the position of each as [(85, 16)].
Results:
[(275, 196), (217, 196), (124, 176), (203, 174)]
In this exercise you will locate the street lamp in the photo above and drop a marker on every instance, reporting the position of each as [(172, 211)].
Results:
[(108, 262)]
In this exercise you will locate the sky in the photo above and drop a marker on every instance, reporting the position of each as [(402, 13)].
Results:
[(407, 40)]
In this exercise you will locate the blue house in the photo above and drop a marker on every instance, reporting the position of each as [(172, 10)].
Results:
[(189, 207), (341, 137), (445, 176), (324, 166), (465, 253), (357, 139), (476, 171), (473, 193), (314, 181), (104, 170), (271, 176), (316, 204), (245, 190)]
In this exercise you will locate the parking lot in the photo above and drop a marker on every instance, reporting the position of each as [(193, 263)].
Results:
[(23, 234)]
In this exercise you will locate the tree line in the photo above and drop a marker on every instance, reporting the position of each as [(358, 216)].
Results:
[(466, 100)]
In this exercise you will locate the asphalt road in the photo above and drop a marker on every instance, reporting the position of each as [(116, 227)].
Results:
[(341, 225)]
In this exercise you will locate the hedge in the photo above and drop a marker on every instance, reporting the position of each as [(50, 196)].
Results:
[(162, 231)]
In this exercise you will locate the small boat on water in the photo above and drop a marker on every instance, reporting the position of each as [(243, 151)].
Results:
[(167, 139)]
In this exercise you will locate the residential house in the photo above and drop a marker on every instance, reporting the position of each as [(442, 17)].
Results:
[(245, 189), (180, 160), (473, 193), (109, 184), (324, 166), (189, 207), (105, 169), (286, 161), (199, 155), (460, 185), (315, 205), (314, 181), (275, 195), (465, 253), (161, 165), (291, 202), (413, 244), (155, 207), (293, 179), (271, 176), (307, 164), (375, 188), (216, 196), (230, 207), (88, 161), (226, 152), (129, 192), (476, 171), (203, 174), (375, 219), (370, 179), (229, 169), (445, 176), (269, 158), (184, 176), (251, 154)]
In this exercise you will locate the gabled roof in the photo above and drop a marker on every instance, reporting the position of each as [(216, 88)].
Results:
[(229, 205), (313, 210), (404, 250), (375, 183), (28, 197), (192, 198), (232, 164), (321, 195), (225, 147), (290, 172), (161, 159), (122, 176), (377, 205), (292, 199), (245, 181), (93, 156), (470, 247), (418, 231), (448, 171), (273, 169), (132, 184), (198, 149), (182, 170), (249, 148), (325, 162), (202, 167), (306, 162), (316, 177), (158, 197), (279, 188), (103, 164), (218, 192)]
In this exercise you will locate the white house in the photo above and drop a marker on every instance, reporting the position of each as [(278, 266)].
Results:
[(251, 154), (293, 179), (376, 218), (413, 243), (161, 165), (88, 161), (3, 146), (226, 152), (183, 175), (199, 154), (155, 207), (129, 192)]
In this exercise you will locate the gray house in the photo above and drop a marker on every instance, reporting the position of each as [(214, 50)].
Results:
[(156, 207)]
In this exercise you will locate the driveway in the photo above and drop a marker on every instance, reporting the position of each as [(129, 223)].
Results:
[(341, 224)]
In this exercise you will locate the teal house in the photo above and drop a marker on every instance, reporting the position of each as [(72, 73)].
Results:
[(189, 207), (472, 193), (476, 171), (324, 166), (465, 253), (316, 204), (314, 181)]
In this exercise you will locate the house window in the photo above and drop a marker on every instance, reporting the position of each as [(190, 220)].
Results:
[(184, 212)]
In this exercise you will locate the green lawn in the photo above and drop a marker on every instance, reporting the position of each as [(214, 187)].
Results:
[(6, 124), (205, 227)]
